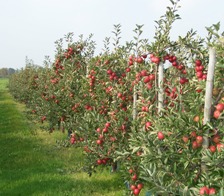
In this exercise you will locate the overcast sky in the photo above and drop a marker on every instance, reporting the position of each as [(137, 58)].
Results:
[(30, 27)]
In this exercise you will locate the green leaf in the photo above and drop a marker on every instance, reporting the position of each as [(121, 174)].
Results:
[(209, 29), (217, 26), (221, 192), (220, 65), (186, 164), (185, 191), (172, 2)]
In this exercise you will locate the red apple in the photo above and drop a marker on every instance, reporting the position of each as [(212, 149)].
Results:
[(199, 139), (198, 62), (195, 145), (185, 139), (133, 187), (140, 186), (136, 191), (134, 177), (220, 107), (216, 114), (212, 191), (148, 124), (160, 135), (212, 148), (204, 190), (216, 138), (220, 146)]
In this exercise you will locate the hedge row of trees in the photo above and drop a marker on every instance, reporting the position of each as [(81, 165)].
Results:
[(6, 72)]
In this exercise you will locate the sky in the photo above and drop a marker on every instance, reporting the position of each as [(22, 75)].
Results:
[(29, 28)]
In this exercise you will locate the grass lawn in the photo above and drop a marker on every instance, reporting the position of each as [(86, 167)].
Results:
[(32, 163)]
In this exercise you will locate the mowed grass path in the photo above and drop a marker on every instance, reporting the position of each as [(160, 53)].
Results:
[(31, 163)]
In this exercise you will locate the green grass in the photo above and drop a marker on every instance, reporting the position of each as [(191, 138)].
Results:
[(33, 164)]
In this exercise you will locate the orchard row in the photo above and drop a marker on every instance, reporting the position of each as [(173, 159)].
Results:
[(141, 107)]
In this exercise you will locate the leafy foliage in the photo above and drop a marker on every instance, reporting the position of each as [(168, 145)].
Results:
[(110, 104)]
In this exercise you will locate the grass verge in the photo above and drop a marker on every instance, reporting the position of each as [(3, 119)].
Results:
[(32, 163)]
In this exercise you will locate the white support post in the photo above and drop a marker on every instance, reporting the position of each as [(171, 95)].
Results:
[(160, 88), (208, 99)]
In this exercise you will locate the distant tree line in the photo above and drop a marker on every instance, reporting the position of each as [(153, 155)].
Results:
[(6, 72)]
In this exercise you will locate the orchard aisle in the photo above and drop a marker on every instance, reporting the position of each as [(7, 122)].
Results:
[(32, 164)]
